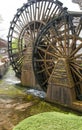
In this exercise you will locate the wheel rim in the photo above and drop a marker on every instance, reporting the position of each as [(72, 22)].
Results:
[(27, 16), (56, 41)]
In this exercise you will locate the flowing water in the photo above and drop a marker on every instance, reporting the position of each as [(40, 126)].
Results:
[(18, 102), (15, 103)]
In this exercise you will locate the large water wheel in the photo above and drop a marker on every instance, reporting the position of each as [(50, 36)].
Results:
[(57, 57), (26, 24)]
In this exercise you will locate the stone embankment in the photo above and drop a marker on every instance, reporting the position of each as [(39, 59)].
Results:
[(4, 63)]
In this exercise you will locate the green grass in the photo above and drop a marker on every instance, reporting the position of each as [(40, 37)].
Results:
[(51, 121)]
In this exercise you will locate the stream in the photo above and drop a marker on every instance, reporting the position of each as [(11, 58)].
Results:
[(16, 101)]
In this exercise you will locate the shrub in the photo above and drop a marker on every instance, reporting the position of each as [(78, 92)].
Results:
[(51, 121)]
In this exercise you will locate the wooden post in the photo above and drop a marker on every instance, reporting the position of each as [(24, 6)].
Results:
[(27, 73), (61, 86)]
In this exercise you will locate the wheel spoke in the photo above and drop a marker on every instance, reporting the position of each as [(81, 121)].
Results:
[(44, 70), (77, 56), (76, 50), (76, 65), (43, 60), (46, 52), (24, 29), (79, 28), (77, 72)]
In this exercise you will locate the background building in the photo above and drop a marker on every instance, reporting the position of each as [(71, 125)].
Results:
[(3, 47), (79, 2)]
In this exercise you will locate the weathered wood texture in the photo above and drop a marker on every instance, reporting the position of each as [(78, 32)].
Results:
[(60, 85), (60, 94)]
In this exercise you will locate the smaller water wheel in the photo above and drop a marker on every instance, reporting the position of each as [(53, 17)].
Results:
[(26, 24), (57, 57)]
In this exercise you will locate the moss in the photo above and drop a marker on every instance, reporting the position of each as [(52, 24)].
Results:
[(11, 90), (42, 107), (1, 81), (30, 97)]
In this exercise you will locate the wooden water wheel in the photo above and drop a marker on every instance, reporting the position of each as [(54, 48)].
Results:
[(57, 56), (26, 24)]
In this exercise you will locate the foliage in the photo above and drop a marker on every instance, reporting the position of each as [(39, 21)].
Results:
[(15, 44), (51, 121)]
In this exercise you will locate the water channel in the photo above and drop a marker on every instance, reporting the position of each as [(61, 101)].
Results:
[(15, 103), (18, 102)]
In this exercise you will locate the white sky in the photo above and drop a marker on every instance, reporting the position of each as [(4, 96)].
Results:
[(8, 9)]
